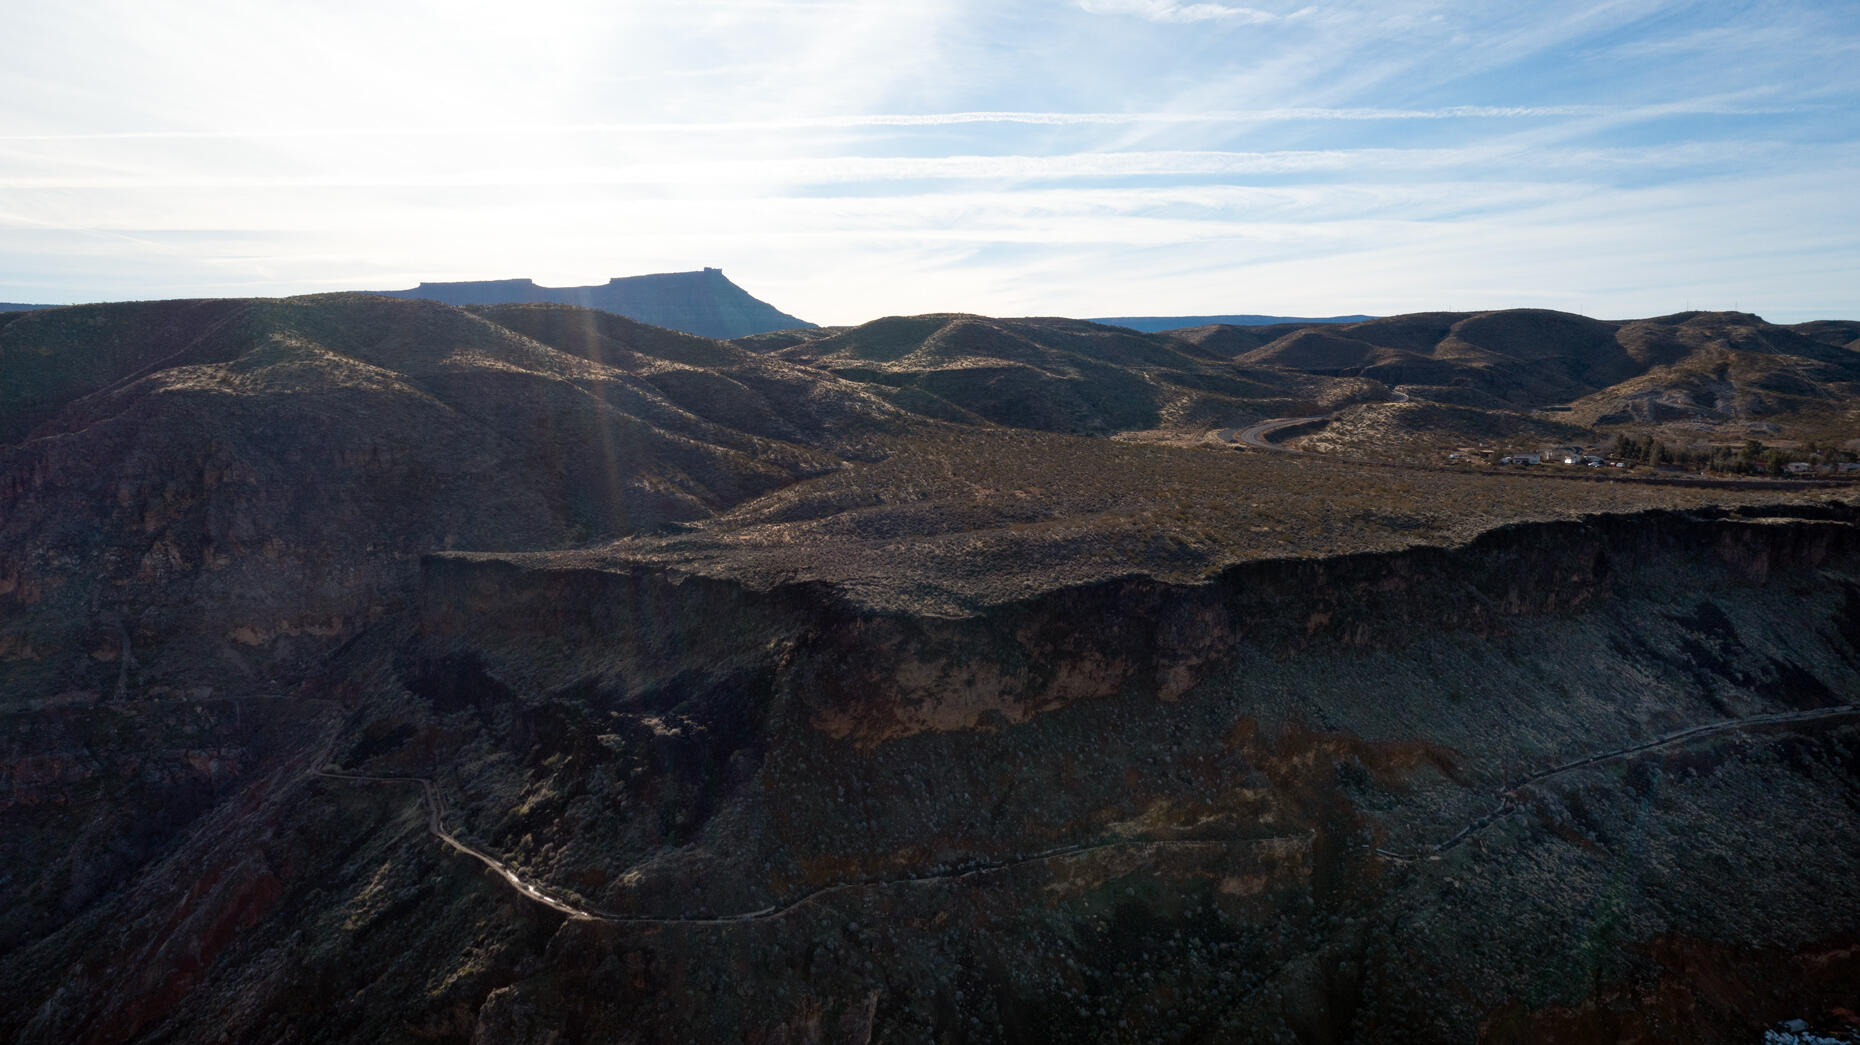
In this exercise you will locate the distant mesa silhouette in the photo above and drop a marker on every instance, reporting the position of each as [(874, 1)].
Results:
[(703, 302)]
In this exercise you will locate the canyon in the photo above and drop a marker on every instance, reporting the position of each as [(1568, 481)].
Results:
[(388, 670)]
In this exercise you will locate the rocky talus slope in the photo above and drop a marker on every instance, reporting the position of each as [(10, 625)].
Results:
[(377, 670)]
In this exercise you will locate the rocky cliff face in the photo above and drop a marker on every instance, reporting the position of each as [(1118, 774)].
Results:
[(1570, 780), (1436, 794)]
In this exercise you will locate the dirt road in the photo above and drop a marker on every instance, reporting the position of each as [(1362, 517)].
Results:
[(1508, 800), (1258, 436)]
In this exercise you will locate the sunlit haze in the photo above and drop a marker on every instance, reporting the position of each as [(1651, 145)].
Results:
[(845, 161)]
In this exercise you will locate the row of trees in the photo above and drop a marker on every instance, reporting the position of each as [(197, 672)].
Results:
[(1753, 458)]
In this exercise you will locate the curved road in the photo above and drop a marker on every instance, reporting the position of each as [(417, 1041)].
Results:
[(435, 809), (430, 797), (1256, 435), (1509, 798), (1512, 795)]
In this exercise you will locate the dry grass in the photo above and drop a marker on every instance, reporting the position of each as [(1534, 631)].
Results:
[(956, 519)]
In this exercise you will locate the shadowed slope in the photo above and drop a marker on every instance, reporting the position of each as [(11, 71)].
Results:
[(715, 380), (293, 458), (52, 357)]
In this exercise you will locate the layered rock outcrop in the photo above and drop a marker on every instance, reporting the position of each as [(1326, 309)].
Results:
[(1491, 790)]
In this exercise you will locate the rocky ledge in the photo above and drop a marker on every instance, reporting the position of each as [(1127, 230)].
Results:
[(1564, 780)]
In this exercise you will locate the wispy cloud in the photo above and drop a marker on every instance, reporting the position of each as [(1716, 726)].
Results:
[(1486, 159), (1363, 245), (1021, 155), (1760, 34), (1170, 11), (946, 119)]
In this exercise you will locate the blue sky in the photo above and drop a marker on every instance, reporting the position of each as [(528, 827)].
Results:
[(847, 160)]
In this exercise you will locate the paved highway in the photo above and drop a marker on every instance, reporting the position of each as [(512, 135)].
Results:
[(1255, 436)]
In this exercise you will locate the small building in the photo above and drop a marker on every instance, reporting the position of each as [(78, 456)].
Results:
[(1798, 468)]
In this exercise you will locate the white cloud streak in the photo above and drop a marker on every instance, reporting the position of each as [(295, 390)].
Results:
[(1170, 11), (947, 119), (880, 170)]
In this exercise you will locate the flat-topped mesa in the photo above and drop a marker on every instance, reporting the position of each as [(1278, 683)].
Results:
[(872, 674), (703, 302), (479, 292)]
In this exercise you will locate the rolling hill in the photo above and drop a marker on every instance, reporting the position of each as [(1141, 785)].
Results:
[(1060, 375), (1528, 376), (1729, 365)]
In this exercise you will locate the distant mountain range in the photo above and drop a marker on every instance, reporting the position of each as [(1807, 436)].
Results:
[(708, 304), (704, 302), (1154, 324)]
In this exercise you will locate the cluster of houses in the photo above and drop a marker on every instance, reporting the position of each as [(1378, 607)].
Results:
[(1575, 456), (1822, 468), (1592, 457)]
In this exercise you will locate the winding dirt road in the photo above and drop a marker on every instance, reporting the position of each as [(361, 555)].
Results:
[(1509, 798), (1258, 436), (430, 797), (435, 824)]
